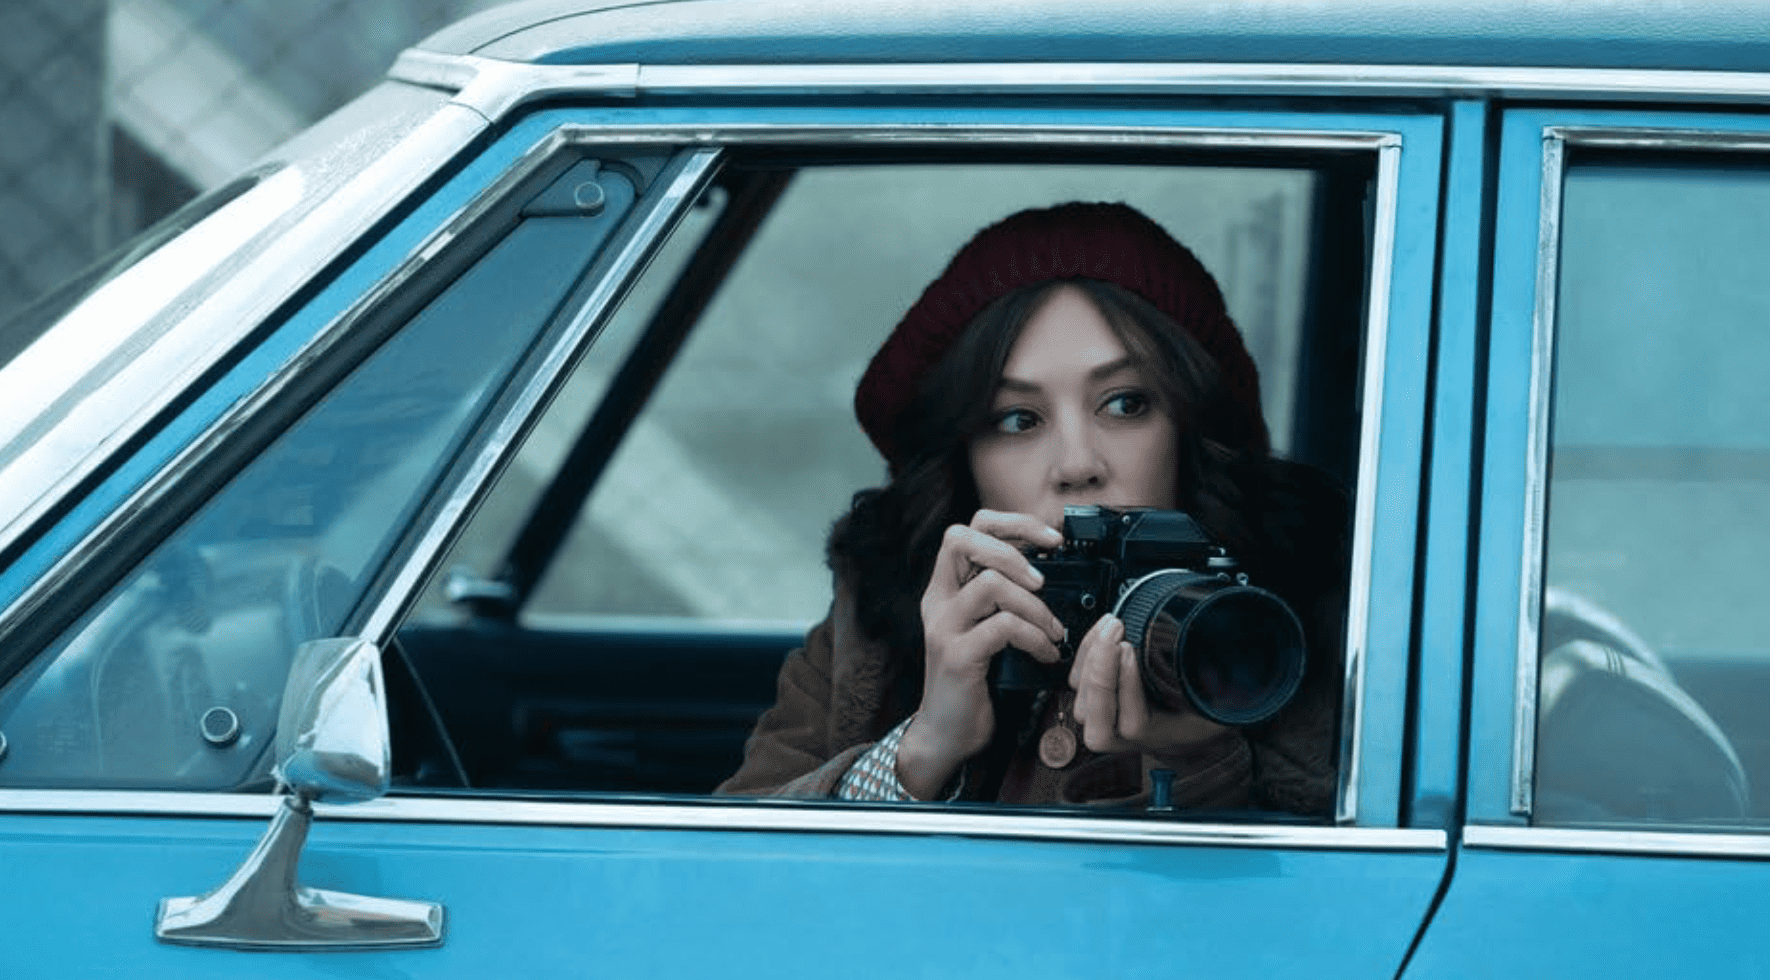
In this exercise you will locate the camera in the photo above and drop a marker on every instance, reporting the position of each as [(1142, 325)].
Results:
[(1203, 635)]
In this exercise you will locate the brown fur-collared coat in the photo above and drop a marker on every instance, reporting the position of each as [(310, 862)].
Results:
[(842, 691)]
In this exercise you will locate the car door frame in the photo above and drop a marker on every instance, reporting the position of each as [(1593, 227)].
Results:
[(1368, 822)]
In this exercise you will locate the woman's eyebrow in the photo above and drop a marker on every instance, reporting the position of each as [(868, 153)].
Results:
[(1100, 373), (1111, 368)]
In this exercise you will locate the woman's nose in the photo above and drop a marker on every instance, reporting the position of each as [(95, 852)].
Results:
[(1078, 464)]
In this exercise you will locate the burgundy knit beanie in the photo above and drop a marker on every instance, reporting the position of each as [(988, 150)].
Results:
[(1110, 242)]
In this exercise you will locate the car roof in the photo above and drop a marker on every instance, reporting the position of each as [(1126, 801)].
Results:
[(1715, 35)]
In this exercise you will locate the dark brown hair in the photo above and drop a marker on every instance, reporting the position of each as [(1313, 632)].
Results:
[(1284, 522)]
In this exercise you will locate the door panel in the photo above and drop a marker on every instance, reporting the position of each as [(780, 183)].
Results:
[(1536, 913), (568, 901), (637, 710)]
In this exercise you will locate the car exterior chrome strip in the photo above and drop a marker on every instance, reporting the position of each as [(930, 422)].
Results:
[(1670, 843), (1021, 135), (495, 87), (726, 814), (542, 381), (1536, 470), (1607, 137), (1369, 442), (1556, 141)]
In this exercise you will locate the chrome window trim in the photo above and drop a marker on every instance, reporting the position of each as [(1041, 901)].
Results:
[(495, 87), (1556, 141), (1643, 842), (1035, 135), (38, 474), (1536, 469), (1364, 501), (751, 815)]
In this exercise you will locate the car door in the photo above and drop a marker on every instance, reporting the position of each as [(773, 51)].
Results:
[(1618, 779), (330, 501)]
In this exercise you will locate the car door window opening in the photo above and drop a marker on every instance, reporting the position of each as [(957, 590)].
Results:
[(1660, 670), (583, 735)]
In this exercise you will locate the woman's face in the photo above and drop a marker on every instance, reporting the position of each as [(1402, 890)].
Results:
[(1074, 421)]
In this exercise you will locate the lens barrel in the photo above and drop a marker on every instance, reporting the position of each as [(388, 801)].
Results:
[(1234, 652)]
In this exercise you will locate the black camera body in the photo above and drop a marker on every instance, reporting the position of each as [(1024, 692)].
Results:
[(1204, 636)]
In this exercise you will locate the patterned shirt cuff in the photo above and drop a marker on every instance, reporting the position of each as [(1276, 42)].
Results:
[(874, 775)]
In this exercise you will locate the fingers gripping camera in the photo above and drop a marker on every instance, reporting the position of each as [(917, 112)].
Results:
[(1204, 637)]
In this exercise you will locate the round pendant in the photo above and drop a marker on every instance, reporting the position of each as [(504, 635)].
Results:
[(1057, 747)]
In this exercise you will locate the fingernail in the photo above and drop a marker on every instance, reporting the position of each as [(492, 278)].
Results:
[(1038, 578)]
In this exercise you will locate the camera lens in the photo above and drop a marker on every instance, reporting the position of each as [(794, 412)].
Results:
[(1234, 652)]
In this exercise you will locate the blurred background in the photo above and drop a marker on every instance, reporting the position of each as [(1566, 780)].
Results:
[(118, 111)]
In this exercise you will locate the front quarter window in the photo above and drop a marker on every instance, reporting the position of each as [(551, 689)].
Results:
[(174, 679)]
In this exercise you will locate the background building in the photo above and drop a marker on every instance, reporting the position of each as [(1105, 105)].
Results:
[(119, 111)]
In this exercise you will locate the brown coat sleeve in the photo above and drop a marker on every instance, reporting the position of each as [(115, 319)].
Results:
[(830, 706), (788, 753)]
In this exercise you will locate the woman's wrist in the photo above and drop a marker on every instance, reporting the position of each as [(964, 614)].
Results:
[(923, 769)]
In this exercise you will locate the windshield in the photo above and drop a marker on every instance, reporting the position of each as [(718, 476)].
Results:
[(23, 328)]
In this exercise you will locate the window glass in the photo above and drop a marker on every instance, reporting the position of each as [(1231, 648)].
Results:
[(1656, 658), (175, 678)]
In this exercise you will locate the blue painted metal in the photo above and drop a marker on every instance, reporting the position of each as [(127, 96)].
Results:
[(1538, 914), (1505, 430), (1718, 35), (1436, 773), (1395, 532), (549, 901)]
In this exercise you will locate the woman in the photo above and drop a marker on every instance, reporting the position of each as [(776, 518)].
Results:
[(1070, 355)]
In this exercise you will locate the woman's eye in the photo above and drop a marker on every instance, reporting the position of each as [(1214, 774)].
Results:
[(1128, 404), (1015, 420)]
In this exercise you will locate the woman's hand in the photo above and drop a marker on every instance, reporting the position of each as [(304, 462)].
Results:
[(979, 601), (1110, 704)]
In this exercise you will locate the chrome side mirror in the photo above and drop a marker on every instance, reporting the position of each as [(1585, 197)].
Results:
[(332, 747)]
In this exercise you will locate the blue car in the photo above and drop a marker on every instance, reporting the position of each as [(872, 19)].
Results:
[(398, 544)]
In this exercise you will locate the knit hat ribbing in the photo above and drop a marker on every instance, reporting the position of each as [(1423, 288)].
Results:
[(1109, 242)]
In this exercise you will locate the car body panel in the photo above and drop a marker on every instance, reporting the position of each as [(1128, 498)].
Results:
[(1519, 896), (567, 898), (1724, 36)]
